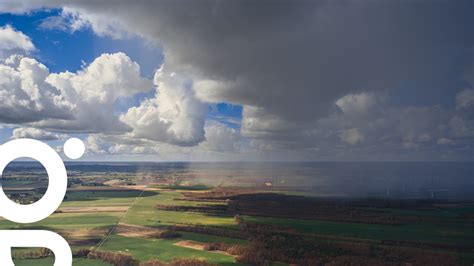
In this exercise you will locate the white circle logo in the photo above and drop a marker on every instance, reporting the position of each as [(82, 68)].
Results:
[(57, 175), (74, 148), (30, 213)]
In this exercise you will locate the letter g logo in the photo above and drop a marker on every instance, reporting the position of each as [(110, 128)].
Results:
[(41, 209)]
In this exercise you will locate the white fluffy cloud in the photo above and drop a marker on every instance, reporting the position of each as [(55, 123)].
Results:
[(221, 143), (107, 78), (72, 20), (174, 115), (220, 138), (94, 90), (357, 103), (68, 102), (288, 99), (293, 71), (320, 56), (12, 41), (35, 133), (25, 96)]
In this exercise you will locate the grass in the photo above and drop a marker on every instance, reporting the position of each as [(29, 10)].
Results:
[(162, 249), (449, 234), (184, 187), (50, 261), (66, 221), (447, 211), (141, 213), (69, 221), (144, 213), (101, 198), (209, 238)]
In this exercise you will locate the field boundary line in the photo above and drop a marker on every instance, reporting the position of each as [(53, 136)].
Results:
[(112, 229)]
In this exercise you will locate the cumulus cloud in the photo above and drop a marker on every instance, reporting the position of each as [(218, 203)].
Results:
[(257, 123), (12, 41), (25, 96), (465, 98), (383, 131), (220, 138), (94, 90), (352, 136), (221, 143), (319, 55), (357, 103), (292, 65), (35, 133), (318, 77), (460, 127), (173, 116), (315, 59), (68, 102), (72, 20)]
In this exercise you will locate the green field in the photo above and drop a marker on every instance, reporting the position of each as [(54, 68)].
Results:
[(144, 249), (142, 213), (453, 234), (181, 187), (69, 221), (50, 261), (79, 198)]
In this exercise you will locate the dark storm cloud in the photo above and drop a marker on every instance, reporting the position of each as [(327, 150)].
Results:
[(288, 62), (293, 58)]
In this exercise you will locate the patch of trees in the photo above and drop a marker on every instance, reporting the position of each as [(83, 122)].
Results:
[(217, 246), (367, 211), (168, 234), (114, 258), (44, 252), (33, 254), (267, 246), (269, 243), (210, 231), (284, 206), (23, 198), (217, 194), (81, 253), (427, 245), (200, 200), (254, 227), (212, 209), (176, 262), (93, 184)]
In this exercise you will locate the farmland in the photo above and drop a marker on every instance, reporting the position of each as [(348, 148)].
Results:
[(118, 218)]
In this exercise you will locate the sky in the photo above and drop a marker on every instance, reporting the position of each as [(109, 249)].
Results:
[(241, 80)]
